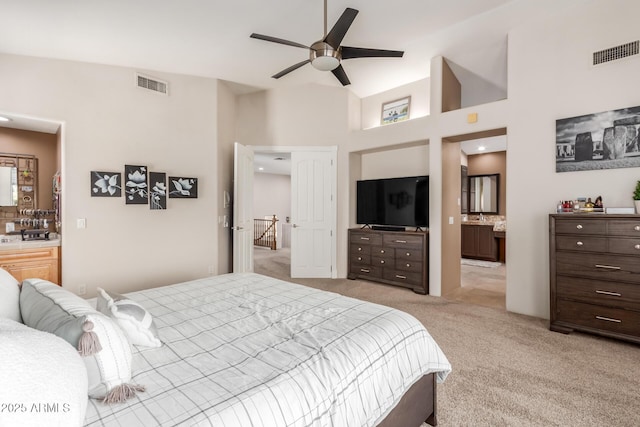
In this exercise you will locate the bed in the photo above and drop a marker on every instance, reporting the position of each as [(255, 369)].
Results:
[(246, 349)]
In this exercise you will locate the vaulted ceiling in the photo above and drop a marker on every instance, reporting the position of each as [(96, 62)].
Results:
[(211, 37)]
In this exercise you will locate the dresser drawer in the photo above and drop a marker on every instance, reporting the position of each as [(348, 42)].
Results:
[(366, 271), (382, 252), (580, 226), (581, 243), (601, 267), (365, 238), (359, 249), (409, 266), (404, 240), (623, 295), (361, 259), (629, 228), (382, 260), (624, 246), (597, 317), (409, 254), (409, 278)]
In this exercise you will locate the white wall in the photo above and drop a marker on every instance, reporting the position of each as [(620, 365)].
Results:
[(396, 163), (272, 195), (419, 107), (550, 78), (108, 122)]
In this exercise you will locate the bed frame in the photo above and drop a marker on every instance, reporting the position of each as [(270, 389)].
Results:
[(418, 405)]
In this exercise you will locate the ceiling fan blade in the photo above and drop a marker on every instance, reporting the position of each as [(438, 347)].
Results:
[(337, 33), (290, 69), (361, 52), (341, 75), (277, 40)]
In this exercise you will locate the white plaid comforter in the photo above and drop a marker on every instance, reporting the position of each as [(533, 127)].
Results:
[(250, 350)]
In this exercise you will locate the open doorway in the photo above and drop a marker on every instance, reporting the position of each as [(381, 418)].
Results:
[(272, 213), (483, 220)]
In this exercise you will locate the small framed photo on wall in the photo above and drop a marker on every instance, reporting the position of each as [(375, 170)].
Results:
[(395, 111)]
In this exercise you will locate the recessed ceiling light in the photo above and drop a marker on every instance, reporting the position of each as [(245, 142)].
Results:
[(260, 168), (4, 119), (482, 148)]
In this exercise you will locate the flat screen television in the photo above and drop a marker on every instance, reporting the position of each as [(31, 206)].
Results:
[(394, 202)]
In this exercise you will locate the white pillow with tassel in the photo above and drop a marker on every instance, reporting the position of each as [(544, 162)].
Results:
[(104, 348)]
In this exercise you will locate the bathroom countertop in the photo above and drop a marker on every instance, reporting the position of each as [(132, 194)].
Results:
[(18, 244)]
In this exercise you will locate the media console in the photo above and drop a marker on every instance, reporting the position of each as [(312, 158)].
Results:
[(398, 258)]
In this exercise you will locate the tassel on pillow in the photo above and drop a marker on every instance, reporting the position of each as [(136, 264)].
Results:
[(121, 393), (89, 343)]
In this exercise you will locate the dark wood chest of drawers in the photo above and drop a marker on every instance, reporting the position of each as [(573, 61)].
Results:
[(595, 274), (392, 257)]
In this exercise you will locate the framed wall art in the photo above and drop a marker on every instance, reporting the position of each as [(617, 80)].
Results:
[(137, 191), (606, 140), (157, 190), (395, 111), (183, 188), (106, 184)]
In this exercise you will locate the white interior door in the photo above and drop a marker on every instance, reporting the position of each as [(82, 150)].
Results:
[(242, 208), (312, 213)]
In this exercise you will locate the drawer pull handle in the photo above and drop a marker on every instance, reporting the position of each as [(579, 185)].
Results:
[(401, 241), (360, 249), (364, 270), (364, 238), (579, 243), (613, 294), (637, 246), (381, 261), (381, 251), (408, 253), (408, 265), (359, 258), (400, 276), (579, 226), (608, 267), (608, 319), (637, 228)]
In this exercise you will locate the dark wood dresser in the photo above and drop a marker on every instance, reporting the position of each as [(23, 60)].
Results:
[(392, 257), (595, 274)]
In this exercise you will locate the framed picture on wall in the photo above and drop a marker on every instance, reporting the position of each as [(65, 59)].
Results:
[(605, 140), (183, 188), (137, 190), (157, 190), (106, 184), (395, 111)]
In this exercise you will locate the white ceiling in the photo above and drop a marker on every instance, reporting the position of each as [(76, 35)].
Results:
[(211, 37)]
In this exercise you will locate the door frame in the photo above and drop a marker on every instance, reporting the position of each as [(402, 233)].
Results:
[(334, 188)]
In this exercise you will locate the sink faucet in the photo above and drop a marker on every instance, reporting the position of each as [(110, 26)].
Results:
[(481, 217)]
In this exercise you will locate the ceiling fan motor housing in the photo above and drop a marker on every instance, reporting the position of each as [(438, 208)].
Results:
[(324, 57)]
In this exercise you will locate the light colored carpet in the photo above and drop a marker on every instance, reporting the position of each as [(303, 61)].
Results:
[(508, 369), (479, 263)]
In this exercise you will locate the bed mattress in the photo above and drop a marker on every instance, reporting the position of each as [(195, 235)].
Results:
[(250, 350)]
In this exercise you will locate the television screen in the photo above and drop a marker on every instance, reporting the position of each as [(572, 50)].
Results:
[(394, 201)]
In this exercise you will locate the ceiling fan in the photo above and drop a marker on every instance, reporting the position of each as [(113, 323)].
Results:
[(326, 54)]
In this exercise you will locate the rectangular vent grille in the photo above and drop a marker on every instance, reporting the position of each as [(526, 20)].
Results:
[(155, 85), (614, 53)]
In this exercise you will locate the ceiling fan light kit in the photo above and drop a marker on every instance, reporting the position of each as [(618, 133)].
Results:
[(327, 54), (324, 57)]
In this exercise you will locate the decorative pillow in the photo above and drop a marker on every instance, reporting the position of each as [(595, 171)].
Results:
[(9, 296), (105, 350), (135, 321), (44, 381)]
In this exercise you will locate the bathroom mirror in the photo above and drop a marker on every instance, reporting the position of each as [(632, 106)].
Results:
[(8, 186), (483, 193)]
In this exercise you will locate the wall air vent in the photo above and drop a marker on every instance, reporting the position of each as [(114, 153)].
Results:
[(615, 53), (150, 83)]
